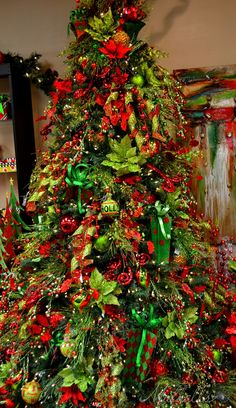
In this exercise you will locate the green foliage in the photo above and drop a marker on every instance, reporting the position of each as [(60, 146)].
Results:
[(101, 28), (124, 158), (175, 327), (107, 290), (81, 375)]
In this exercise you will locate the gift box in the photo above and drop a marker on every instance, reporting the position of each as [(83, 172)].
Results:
[(161, 224), (8, 165), (132, 372), (140, 345), (5, 107)]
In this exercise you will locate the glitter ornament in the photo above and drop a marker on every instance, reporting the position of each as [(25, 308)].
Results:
[(31, 391), (121, 37), (138, 80), (109, 207), (68, 224), (102, 243), (68, 347), (217, 356)]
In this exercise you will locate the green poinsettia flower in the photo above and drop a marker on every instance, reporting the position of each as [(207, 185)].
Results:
[(124, 158)]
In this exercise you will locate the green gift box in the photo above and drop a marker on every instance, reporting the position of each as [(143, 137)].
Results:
[(161, 224), (140, 345), (132, 372)]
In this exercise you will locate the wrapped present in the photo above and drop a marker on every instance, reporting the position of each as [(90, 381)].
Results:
[(4, 107), (161, 224), (140, 346), (8, 165)]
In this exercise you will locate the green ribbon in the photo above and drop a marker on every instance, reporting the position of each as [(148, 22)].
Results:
[(77, 177), (54, 342), (147, 324), (162, 210), (1, 107)]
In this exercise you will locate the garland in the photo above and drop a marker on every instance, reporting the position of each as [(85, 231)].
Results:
[(31, 68)]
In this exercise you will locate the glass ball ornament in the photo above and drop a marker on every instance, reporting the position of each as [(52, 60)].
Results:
[(109, 208), (31, 392), (102, 243), (68, 348), (68, 224)]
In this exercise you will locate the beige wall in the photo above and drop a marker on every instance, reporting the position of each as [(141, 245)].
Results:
[(193, 32)]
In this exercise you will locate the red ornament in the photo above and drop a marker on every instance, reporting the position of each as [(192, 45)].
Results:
[(68, 224), (125, 278)]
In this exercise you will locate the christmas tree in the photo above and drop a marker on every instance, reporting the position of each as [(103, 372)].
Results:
[(118, 296)]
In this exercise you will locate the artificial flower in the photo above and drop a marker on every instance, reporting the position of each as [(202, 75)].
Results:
[(114, 50), (72, 394), (63, 85)]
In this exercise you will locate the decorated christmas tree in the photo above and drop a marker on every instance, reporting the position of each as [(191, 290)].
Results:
[(118, 295)]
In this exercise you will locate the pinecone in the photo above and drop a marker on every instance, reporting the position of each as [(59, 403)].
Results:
[(121, 37)]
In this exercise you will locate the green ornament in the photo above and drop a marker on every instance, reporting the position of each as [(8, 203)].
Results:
[(109, 207), (138, 80), (68, 348), (217, 356), (102, 243)]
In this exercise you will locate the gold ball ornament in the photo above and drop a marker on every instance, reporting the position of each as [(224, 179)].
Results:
[(68, 348), (30, 392), (180, 260), (121, 37), (109, 208)]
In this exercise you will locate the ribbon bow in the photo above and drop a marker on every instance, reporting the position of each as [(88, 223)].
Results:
[(162, 210), (147, 324), (77, 176)]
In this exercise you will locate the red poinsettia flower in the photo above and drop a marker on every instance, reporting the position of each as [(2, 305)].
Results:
[(3, 391), (219, 343), (45, 337), (80, 78), (114, 50), (63, 85), (9, 403), (119, 78), (71, 393)]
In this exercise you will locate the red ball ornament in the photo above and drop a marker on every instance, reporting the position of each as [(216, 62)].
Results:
[(68, 224), (31, 391)]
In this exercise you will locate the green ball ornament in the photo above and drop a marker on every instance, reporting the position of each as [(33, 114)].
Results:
[(102, 243), (138, 80), (217, 356), (30, 392), (109, 208), (68, 348)]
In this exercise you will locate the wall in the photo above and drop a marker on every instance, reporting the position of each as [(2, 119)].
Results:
[(194, 33)]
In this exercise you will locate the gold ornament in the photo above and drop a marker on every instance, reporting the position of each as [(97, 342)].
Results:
[(180, 260), (31, 391), (121, 37), (109, 207)]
